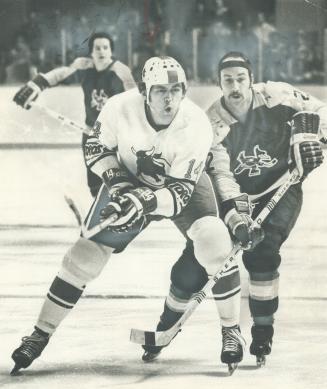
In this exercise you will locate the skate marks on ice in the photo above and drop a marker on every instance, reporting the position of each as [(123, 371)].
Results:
[(92, 349)]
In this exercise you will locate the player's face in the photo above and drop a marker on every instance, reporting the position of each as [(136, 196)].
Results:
[(235, 83), (101, 53), (164, 101)]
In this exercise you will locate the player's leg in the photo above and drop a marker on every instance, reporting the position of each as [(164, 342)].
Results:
[(263, 263), (94, 182), (212, 244), (82, 263), (187, 277)]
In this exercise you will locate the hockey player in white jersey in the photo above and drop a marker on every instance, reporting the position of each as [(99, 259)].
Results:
[(150, 149)]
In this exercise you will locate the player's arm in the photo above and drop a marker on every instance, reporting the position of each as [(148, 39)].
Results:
[(280, 92), (101, 152), (32, 89), (235, 207), (218, 169)]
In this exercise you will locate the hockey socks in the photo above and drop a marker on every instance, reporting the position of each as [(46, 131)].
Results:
[(60, 299), (227, 296)]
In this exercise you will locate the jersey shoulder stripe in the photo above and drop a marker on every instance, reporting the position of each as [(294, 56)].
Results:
[(272, 94), (82, 63), (220, 120), (124, 73)]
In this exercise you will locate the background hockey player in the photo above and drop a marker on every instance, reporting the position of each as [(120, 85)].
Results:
[(101, 75), (262, 131), (162, 140)]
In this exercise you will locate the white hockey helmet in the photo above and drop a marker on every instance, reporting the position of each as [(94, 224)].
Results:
[(162, 70)]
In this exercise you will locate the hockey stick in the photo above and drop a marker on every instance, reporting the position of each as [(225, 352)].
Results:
[(70, 123), (74, 209), (163, 338), (99, 227), (112, 218), (63, 119)]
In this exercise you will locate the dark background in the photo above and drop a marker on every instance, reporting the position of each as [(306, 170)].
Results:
[(283, 38)]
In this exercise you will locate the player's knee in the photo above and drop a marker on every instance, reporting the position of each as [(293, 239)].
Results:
[(187, 274), (265, 257), (211, 241), (84, 262)]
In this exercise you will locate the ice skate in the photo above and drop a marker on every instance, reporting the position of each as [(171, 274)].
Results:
[(232, 350), (30, 349), (151, 353), (261, 342)]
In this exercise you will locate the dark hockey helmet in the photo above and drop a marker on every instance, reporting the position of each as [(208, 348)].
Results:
[(234, 59)]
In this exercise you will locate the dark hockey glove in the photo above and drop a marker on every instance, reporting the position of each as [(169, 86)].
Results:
[(130, 207), (237, 216), (30, 91), (305, 152)]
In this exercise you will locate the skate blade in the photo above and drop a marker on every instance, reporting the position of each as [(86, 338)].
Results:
[(15, 370), (148, 358), (261, 361), (231, 368)]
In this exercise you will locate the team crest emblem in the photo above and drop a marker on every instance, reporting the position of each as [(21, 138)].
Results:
[(98, 100), (151, 167), (254, 163)]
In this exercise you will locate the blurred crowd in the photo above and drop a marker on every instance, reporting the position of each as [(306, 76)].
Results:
[(196, 32)]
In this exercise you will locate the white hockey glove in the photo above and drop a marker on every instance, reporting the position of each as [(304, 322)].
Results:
[(237, 216), (30, 91), (130, 207), (305, 152)]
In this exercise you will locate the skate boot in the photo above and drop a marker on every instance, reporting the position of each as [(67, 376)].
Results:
[(233, 344), (261, 342), (151, 353), (31, 348)]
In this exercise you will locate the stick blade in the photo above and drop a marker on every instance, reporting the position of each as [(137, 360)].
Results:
[(146, 338), (154, 338)]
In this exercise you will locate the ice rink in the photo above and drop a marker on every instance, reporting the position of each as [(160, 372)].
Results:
[(41, 162)]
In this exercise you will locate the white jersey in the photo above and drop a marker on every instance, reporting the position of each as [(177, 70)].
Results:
[(177, 152)]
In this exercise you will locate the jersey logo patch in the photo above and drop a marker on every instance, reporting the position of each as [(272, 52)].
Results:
[(254, 163), (98, 99), (151, 167)]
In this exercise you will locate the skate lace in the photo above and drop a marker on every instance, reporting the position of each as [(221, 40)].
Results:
[(232, 339), (33, 344)]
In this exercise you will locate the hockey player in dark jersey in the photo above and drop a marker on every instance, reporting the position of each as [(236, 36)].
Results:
[(261, 132), (102, 76)]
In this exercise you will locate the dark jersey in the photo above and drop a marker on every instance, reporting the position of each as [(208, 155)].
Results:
[(97, 86), (257, 150)]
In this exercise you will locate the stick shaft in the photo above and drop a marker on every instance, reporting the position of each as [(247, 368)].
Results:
[(163, 338), (63, 119), (89, 233)]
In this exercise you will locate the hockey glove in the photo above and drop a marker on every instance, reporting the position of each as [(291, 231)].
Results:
[(131, 207), (237, 216), (30, 91), (306, 152)]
